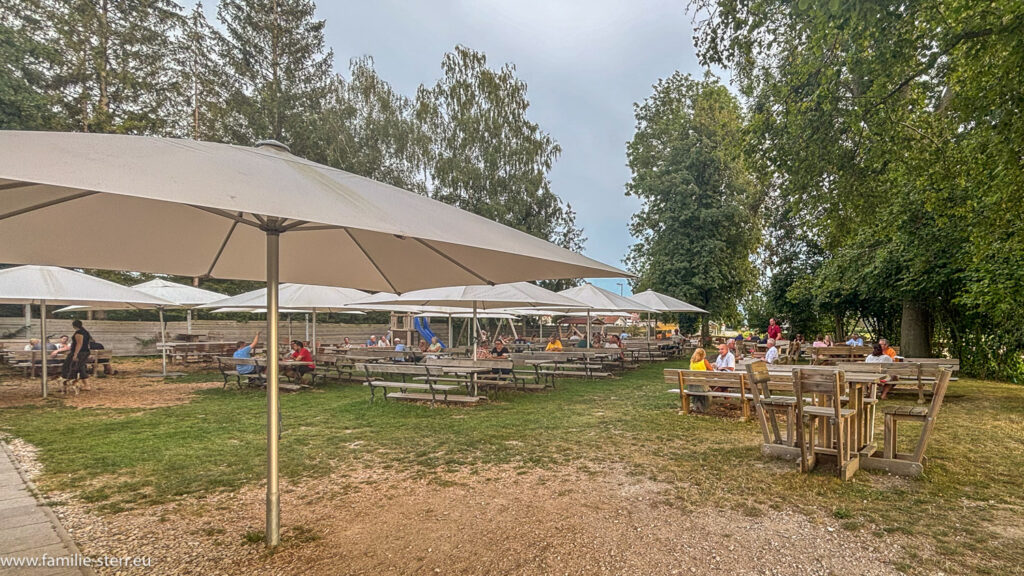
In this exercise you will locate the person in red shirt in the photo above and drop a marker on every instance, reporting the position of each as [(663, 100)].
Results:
[(299, 354), (774, 331)]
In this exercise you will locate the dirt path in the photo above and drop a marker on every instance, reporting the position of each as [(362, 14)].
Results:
[(541, 522)]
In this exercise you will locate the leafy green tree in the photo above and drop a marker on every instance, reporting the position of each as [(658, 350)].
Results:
[(697, 228), (370, 129), (279, 72), (27, 101), (486, 156)]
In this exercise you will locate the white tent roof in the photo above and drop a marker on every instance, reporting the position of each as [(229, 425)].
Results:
[(664, 303), (59, 286), (181, 294), (601, 300), (260, 311), (297, 296), (518, 294), (203, 209)]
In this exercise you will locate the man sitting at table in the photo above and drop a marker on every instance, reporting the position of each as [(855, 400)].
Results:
[(772, 355), (299, 354), (888, 350), (33, 344), (245, 351), (725, 362), (855, 340), (63, 345), (372, 342), (554, 344)]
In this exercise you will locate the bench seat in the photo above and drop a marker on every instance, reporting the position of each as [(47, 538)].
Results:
[(420, 397)]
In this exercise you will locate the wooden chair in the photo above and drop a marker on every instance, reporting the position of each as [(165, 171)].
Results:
[(824, 426), (909, 464), (767, 407)]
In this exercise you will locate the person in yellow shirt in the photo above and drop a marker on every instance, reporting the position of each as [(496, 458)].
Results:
[(699, 360), (554, 344)]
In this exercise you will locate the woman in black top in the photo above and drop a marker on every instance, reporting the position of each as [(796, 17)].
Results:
[(76, 362)]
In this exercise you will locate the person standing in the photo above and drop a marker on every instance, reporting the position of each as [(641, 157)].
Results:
[(75, 367), (774, 330)]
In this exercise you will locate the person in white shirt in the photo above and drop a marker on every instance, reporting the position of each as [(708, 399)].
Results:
[(772, 355), (878, 356), (725, 362)]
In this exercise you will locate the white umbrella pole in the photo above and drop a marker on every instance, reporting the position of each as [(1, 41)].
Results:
[(474, 342), (648, 331), (188, 321), (273, 535), (540, 323), (28, 317), (589, 343), (450, 343), (313, 341), (42, 343), (305, 318), (163, 342)]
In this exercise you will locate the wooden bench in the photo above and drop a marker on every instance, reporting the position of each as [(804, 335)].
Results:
[(504, 374), (228, 367), (710, 385), (842, 353), (342, 365), (547, 366), (423, 379)]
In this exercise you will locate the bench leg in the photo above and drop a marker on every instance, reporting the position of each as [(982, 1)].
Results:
[(889, 440)]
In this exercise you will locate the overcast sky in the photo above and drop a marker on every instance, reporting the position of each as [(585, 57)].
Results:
[(585, 63)]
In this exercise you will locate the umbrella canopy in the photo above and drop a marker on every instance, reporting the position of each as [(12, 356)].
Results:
[(601, 300), (203, 209), (53, 285), (664, 303), (261, 311), (298, 297), (193, 208), (181, 294), (495, 314), (515, 294)]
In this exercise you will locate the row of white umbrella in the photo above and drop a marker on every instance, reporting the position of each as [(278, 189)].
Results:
[(201, 209)]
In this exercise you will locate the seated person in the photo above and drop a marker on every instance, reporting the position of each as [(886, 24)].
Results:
[(554, 344), (299, 353), (731, 343), (245, 351), (889, 350), (346, 343), (878, 356), (33, 344), (855, 340), (612, 342), (423, 346), (819, 342), (372, 342), (383, 342), (435, 345), (725, 362), (828, 340), (772, 355), (63, 345), (699, 361), (500, 352), (399, 347)]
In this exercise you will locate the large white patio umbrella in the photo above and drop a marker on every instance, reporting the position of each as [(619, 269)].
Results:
[(600, 300), (298, 296), (51, 285), (515, 294), (663, 303), (192, 208)]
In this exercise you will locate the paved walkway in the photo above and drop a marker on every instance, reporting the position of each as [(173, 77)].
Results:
[(29, 529)]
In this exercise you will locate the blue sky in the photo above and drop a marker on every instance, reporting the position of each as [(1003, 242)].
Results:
[(585, 64)]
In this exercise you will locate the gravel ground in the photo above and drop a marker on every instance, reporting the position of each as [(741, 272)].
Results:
[(126, 389), (498, 522)]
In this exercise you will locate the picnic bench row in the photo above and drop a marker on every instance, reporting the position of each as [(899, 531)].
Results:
[(31, 361)]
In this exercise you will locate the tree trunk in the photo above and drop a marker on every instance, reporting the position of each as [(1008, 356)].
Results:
[(705, 335), (839, 326), (915, 330)]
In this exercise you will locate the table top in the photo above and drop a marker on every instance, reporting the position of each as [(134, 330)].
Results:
[(466, 369)]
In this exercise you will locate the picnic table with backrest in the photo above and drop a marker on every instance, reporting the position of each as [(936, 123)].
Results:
[(228, 367), (31, 361), (404, 377), (909, 464), (377, 354), (490, 373), (569, 363)]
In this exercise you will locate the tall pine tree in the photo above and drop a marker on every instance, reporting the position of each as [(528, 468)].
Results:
[(200, 78), (280, 71)]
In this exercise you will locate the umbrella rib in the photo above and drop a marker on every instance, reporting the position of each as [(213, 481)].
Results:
[(46, 204), (453, 261), (225, 214), (223, 245), (13, 185), (372, 261)]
